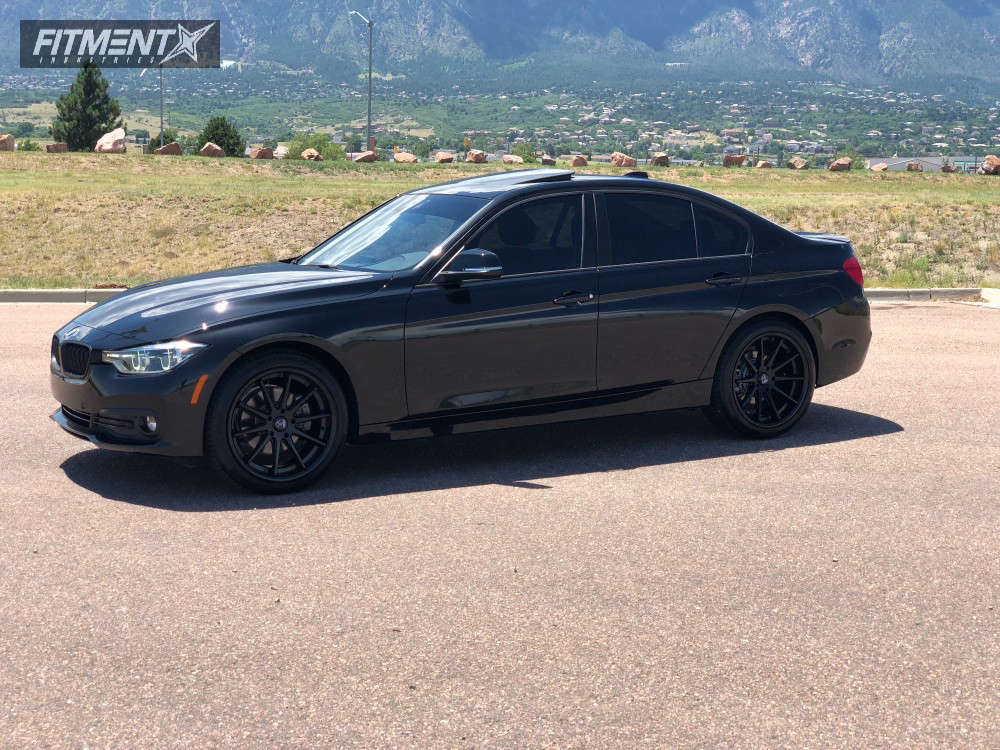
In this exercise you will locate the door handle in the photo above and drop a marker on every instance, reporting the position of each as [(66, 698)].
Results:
[(724, 279), (574, 298)]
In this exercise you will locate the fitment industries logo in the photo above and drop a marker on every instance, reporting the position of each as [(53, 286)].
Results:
[(120, 44)]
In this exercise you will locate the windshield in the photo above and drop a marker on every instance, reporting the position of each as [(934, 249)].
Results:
[(396, 236)]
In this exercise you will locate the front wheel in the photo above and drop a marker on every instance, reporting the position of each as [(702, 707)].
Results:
[(276, 422), (764, 382)]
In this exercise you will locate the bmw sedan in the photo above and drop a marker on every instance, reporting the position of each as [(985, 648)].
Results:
[(498, 301)]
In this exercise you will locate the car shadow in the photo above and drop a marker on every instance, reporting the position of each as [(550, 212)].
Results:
[(521, 457)]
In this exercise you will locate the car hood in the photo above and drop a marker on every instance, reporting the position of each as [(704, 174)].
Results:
[(180, 306)]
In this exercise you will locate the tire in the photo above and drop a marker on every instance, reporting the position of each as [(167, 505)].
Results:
[(764, 381), (276, 422)]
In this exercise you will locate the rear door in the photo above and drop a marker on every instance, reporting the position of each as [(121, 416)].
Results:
[(672, 272), (527, 336)]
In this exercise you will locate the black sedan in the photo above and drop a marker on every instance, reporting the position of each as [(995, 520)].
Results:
[(504, 300)]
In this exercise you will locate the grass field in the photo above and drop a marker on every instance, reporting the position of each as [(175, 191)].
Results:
[(101, 219)]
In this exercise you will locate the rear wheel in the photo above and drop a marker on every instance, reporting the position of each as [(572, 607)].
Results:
[(764, 382), (276, 422)]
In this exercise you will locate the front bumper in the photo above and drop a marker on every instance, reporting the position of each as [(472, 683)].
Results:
[(109, 410)]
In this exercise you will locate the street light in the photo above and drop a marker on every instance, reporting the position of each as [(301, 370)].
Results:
[(371, 25)]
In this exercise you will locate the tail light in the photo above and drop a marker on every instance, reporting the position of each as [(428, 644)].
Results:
[(853, 269)]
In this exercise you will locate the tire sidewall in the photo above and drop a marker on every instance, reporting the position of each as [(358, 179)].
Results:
[(217, 444)]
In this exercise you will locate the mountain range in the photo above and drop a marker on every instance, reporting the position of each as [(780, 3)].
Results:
[(877, 41)]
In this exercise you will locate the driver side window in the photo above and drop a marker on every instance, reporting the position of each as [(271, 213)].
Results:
[(536, 237)]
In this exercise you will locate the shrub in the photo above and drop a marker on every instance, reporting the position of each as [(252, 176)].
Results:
[(526, 152), (223, 133), (28, 145), (319, 141), (169, 135)]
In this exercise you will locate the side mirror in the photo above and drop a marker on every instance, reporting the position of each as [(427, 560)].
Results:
[(469, 265)]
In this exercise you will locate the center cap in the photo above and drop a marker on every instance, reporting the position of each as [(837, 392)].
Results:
[(281, 424), (764, 379)]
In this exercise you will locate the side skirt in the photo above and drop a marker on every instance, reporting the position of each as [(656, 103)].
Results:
[(634, 401)]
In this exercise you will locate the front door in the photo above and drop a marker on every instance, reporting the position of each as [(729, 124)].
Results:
[(527, 336), (672, 273)]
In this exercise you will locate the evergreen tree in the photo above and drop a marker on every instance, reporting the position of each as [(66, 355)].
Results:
[(86, 111), (222, 133)]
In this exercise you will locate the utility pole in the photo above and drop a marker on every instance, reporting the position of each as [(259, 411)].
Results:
[(161, 105), (371, 24)]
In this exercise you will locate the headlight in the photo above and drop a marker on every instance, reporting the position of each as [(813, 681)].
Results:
[(154, 358)]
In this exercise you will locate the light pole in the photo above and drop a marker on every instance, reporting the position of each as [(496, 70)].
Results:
[(371, 25)]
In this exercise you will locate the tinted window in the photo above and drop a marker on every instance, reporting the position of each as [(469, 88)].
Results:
[(718, 234), (542, 235), (645, 228)]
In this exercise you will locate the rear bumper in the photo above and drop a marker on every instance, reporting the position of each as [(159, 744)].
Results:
[(843, 335)]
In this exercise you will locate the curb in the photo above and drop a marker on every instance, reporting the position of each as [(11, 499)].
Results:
[(56, 295), (920, 295)]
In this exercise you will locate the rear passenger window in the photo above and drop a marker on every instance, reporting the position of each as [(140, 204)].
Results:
[(719, 235), (645, 228)]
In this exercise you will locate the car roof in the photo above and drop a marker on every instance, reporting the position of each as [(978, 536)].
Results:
[(526, 181)]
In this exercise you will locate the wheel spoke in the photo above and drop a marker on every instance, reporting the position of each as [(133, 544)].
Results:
[(286, 390), (746, 358), (295, 453), (277, 455), (781, 345), (250, 431), (311, 417), (789, 380), (774, 408), (298, 404), (307, 436), (258, 449), (255, 412), (266, 391), (787, 362), (785, 395)]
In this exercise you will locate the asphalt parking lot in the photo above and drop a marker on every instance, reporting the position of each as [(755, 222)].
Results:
[(640, 582)]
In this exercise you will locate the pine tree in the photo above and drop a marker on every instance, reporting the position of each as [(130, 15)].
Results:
[(86, 112), (223, 133)]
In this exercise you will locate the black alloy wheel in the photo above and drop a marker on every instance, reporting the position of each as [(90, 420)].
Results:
[(765, 380), (284, 418)]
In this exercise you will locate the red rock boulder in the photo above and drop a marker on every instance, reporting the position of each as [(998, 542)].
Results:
[(443, 157), (262, 153), (660, 159), (7, 142), (210, 149), (475, 156), (311, 154), (547, 161), (111, 143), (880, 167), (618, 159), (734, 160), (798, 163), (169, 149), (765, 164), (991, 165), (512, 159), (403, 157), (56, 148), (578, 160), (365, 156), (843, 164)]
